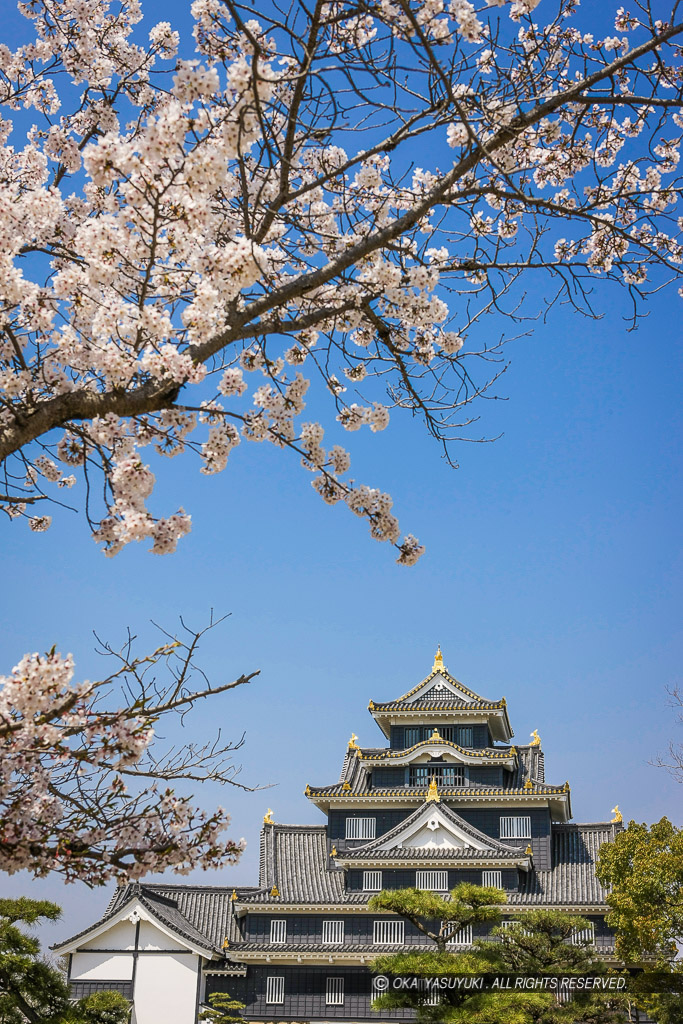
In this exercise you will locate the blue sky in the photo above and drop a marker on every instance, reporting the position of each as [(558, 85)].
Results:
[(552, 576)]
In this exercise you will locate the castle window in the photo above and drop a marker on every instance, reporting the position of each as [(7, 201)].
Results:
[(278, 930), (450, 775), (275, 989), (583, 935), (413, 736), (333, 932), (436, 881), (360, 828), (463, 937), (492, 878), (388, 933), (334, 991), (507, 925), (372, 881), (466, 736), (516, 827)]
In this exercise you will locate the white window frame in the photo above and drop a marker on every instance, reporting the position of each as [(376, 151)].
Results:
[(275, 989), (515, 826), (388, 933), (372, 881), (463, 937), (278, 930), (333, 933), (492, 878), (334, 991), (432, 881), (579, 936), (361, 828), (506, 925)]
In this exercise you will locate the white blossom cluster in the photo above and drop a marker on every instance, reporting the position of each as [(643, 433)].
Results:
[(66, 800), (212, 239)]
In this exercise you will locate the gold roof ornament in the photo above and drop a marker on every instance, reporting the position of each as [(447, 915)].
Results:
[(275, 891), (618, 816), (225, 942), (371, 706), (433, 793), (333, 851), (535, 739), (438, 660), (528, 785), (346, 787), (234, 895), (307, 791), (352, 742), (268, 817), (529, 852), (436, 735)]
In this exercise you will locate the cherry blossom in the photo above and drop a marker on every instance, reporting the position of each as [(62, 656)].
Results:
[(83, 788), (200, 236)]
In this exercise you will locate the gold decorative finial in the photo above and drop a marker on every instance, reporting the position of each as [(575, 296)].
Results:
[(529, 852), (333, 851), (438, 660), (436, 735), (234, 895), (618, 816), (536, 739), (528, 784), (225, 942), (268, 817), (352, 742), (433, 793), (346, 786), (371, 706), (307, 791), (275, 891)]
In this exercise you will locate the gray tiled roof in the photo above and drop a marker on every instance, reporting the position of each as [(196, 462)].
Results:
[(572, 878), (202, 914), (449, 703), (298, 864)]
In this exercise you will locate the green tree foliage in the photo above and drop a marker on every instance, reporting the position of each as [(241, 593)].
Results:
[(643, 868), (31, 989), (224, 1010), (441, 917), (539, 944)]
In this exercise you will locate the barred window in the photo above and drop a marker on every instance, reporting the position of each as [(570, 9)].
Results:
[(463, 937), (333, 932), (278, 930), (581, 935), (334, 991), (515, 827), (413, 736), (507, 925), (275, 989), (466, 736), (372, 881), (360, 828), (437, 881), (388, 933), (492, 878)]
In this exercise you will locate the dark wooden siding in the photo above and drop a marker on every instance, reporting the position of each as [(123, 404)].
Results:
[(480, 734), (386, 819), (305, 995), (486, 777), (389, 776), (395, 878), (487, 820)]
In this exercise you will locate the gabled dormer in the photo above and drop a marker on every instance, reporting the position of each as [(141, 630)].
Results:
[(440, 700)]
